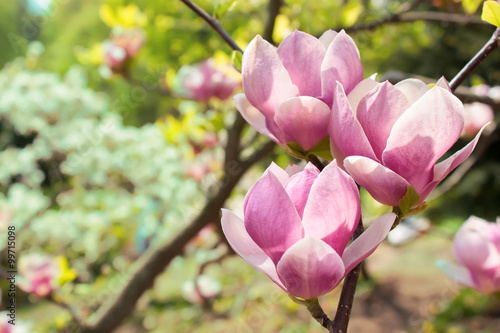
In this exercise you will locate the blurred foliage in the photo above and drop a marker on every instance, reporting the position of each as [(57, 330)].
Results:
[(98, 167)]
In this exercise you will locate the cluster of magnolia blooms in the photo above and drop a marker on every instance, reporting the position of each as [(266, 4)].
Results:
[(206, 80), (309, 96)]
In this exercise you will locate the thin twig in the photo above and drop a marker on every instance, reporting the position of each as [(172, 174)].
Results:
[(341, 321), (489, 47), (214, 24), (408, 17), (273, 11)]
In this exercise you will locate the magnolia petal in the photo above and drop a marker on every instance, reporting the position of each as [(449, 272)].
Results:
[(292, 169), (345, 131), (298, 188), (368, 242), (266, 82), (310, 268), (302, 55), (413, 89), (271, 219), (327, 37), (456, 272), (378, 111), (422, 135), (239, 240), (332, 210), (303, 120), (443, 168), (311, 167), (360, 91), (341, 63), (384, 185), (281, 174), (253, 116), (443, 83)]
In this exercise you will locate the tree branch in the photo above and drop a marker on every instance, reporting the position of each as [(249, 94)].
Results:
[(406, 17), (214, 24), (273, 10), (341, 321), (489, 47), (156, 260)]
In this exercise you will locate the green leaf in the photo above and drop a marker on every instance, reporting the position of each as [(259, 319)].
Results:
[(294, 149), (236, 58), (491, 13), (471, 6), (222, 8), (408, 201), (322, 149)]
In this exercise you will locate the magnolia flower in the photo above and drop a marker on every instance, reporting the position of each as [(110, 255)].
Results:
[(391, 136), (476, 116), (477, 249), (39, 274), (206, 80), (297, 223), (289, 90), (206, 288)]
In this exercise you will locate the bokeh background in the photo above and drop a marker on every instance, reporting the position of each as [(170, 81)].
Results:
[(109, 149)]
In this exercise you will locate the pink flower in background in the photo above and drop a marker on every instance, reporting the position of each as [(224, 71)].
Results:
[(5, 217), (205, 288), (297, 223), (206, 80), (19, 327), (124, 45), (39, 274), (391, 136), (289, 90), (197, 171), (476, 116), (477, 249)]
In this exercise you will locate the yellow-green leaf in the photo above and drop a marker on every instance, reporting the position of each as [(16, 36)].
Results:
[(350, 13), (237, 58), (491, 13), (471, 6), (222, 8), (408, 201)]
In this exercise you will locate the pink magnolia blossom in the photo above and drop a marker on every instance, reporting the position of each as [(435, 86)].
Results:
[(297, 223), (477, 249), (206, 80), (476, 116), (39, 274), (390, 137), (289, 90)]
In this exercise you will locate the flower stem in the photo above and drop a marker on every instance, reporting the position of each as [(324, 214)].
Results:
[(341, 321)]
